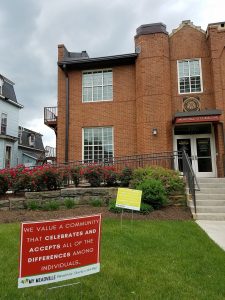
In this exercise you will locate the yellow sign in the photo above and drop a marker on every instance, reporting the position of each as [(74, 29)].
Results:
[(129, 199)]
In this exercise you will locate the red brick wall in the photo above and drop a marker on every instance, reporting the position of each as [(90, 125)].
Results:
[(216, 44), (153, 102), (188, 43), (119, 113), (145, 95)]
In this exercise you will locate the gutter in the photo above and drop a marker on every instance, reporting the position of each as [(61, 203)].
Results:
[(12, 102), (67, 115)]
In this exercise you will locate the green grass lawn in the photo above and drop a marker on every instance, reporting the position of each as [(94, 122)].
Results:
[(149, 260)]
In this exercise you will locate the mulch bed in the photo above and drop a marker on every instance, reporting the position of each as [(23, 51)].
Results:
[(168, 213)]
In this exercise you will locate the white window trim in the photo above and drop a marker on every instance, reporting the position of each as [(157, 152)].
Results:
[(96, 101), (6, 122), (178, 76), (97, 127)]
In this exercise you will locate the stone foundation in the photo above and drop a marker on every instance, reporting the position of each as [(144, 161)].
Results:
[(81, 196)]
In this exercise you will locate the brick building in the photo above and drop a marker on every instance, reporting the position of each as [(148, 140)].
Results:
[(168, 94)]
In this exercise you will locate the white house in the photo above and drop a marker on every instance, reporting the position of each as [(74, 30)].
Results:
[(9, 114)]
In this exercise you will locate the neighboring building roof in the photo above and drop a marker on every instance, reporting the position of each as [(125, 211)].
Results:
[(7, 91), (32, 155), (85, 62), (24, 140)]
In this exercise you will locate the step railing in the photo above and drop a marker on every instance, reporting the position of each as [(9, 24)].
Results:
[(190, 176)]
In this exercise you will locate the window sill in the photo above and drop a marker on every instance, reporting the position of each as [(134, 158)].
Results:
[(189, 93), (99, 101)]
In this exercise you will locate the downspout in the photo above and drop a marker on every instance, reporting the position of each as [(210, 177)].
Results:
[(66, 116)]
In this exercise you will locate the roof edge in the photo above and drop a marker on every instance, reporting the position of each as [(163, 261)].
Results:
[(187, 23)]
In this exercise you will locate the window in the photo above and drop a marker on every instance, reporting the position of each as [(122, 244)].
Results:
[(97, 85), (1, 84), (97, 144), (3, 123), (32, 140), (20, 134), (189, 76)]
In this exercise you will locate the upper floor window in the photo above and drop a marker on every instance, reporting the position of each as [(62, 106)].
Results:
[(32, 140), (20, 133), (97, 86), (189, 76), (3, 123), (1, 84)]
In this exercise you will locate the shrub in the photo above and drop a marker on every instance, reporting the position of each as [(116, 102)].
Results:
[(69, 203), (94, 174), (146, 208), (75, 175), (125, 177), (153, 193), (21, 182), (51, 205), (3, 184), (110, 175), (114, 208), (96, 202), (33, 205), (170, 179), (51, 179)]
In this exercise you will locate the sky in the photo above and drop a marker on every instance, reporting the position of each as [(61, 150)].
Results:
[(30, 31)]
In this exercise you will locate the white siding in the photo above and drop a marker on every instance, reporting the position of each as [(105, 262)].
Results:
[(12, 117), (12, 130)]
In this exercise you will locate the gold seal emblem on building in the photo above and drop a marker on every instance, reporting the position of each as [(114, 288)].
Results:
[(191, 104)]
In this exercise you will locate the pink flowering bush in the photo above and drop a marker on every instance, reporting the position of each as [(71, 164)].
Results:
[(94, 174), (110, 175), (3, 184), (48, 177), (38, 178)]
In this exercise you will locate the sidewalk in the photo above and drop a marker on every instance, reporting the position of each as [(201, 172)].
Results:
[(215, 230)]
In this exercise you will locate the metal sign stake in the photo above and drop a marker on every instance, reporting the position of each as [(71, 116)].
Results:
[(62, 286)]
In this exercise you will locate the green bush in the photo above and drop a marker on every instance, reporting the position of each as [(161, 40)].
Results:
[(153, 192), (69, 203), (114, 208), (125, 177), (51, 205), (96, 202), (170, 179), (146, 208), (33, 205), (3, 184), (75, 175)]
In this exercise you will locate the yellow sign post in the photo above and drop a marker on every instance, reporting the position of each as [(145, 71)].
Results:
[(129, 199)]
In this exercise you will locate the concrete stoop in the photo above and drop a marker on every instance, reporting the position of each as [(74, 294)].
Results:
[(210, 200)]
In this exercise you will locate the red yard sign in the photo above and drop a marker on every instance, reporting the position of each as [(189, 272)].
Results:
[(56, 250)]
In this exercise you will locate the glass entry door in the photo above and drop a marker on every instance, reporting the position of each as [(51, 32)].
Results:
[(201, 151)]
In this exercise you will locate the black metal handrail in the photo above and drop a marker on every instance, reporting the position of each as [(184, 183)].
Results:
[(50, 113), (163, 159), (190, 176)]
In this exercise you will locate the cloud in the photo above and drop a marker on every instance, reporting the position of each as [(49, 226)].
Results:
[(30, 31)]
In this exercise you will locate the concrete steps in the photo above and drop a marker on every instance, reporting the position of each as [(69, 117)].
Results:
[(210, 200)]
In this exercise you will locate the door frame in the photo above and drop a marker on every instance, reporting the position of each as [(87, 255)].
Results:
[(193, 138)]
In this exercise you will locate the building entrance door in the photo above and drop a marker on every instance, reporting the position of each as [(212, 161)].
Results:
[(201, 151)]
